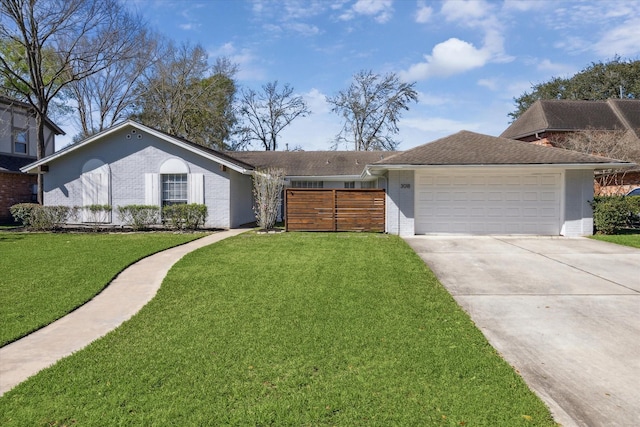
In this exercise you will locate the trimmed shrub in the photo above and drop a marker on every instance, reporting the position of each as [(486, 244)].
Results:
[(22, 212), (97, 213), (611, 213), (45, 218), (184, 217), (139, 217)]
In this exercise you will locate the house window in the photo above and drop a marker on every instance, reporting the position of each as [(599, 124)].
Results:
[(174, 189), (350, 184), (20, 141), (307, 184)]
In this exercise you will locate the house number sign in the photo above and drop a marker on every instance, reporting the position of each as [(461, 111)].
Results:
[(405, 185)]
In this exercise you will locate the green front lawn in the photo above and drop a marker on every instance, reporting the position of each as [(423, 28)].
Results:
[(303, 329), (45, 276), (630, 238)]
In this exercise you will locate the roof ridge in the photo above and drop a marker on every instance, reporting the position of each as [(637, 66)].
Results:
[(612, 104)]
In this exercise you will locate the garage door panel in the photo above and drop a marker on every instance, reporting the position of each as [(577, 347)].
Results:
[(499, 203)]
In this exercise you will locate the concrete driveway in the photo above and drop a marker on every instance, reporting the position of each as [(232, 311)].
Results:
[(564, 312)]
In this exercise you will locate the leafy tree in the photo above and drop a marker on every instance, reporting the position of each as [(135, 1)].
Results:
[(48, 44), (268, 112), (183, 96), (371, 108), (617, 78)]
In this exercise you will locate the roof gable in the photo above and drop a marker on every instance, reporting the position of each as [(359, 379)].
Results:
[(469, 148), (205, 152)]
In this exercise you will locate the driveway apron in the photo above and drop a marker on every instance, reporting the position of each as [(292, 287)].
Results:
[(564, 312)]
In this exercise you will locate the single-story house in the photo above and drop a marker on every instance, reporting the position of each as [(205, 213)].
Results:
[(549, 122), (467, 183)]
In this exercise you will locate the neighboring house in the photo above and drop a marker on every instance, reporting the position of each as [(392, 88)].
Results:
[(466, 183), (548, 121), (18, 148)]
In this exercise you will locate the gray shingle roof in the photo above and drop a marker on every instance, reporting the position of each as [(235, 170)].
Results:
[(470, 148), (13, 163), (312, 163), (566, 115)]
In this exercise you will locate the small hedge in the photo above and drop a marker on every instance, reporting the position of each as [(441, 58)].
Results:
[(45, 218), (97, 213), (184, 217), (613, 213), (139, 217)]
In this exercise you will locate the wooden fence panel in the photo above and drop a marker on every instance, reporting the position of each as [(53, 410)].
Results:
[(335, 210)]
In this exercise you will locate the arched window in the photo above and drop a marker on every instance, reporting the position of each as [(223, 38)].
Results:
[(174, 185)]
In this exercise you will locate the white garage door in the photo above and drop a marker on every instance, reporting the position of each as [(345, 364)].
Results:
[(487, 203)]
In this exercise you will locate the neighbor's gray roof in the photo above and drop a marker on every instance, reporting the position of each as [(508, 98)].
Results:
[(13, 163), (312, 163), (566, 115), (470, 148)]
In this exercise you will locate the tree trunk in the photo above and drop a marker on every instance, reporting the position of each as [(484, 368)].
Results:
[(40, 153)]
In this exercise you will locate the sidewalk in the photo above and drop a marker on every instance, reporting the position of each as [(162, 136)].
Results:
[(125, 296)]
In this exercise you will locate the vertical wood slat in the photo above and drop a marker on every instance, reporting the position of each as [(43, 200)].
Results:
[(335, 210)]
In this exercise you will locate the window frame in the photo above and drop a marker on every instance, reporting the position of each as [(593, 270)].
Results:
[(16, 133), (172, 189)]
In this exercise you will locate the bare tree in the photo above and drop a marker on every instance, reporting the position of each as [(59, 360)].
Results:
[(617, 144), (57, 42), (371, 108), (267, 192), (183, 96), (109, 96), (267, 113)]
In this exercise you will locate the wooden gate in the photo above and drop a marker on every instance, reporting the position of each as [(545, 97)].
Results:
[(320, 209)]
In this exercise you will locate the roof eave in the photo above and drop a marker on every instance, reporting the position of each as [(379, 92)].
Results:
[(33, 167), (373, 170)]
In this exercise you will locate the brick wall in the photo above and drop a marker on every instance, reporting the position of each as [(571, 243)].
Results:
[(622, 184), (14, 188)]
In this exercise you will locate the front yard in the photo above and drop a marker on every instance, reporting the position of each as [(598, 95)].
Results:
[(45, 276), (298, 329), (629, 238)]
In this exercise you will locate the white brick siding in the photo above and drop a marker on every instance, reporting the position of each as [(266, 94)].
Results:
[(130, 159), (400, 202)]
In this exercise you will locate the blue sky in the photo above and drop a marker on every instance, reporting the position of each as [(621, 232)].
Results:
[(469, 58)]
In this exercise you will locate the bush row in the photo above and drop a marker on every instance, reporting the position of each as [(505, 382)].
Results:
[(613, 213), (139, 217)]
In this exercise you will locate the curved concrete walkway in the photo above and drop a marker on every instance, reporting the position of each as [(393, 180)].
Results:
[(125, 296)]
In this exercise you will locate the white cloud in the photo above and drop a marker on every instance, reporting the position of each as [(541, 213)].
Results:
[(554, 68), (623, 40), (246, 60), (491, 84), (450, 57), (380, 10), (466, 11), (524, 5), (303, 29), (424, 12), (430, 100), (317, 101)]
